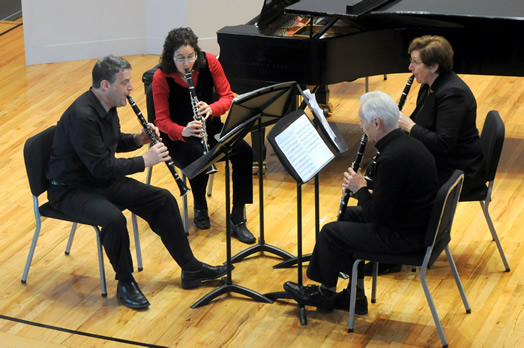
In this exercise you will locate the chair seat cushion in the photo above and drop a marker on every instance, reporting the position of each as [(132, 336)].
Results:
[(414, 259), (477, 194), (48, 211)]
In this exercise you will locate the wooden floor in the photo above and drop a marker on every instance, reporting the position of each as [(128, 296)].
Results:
[(61, 304)]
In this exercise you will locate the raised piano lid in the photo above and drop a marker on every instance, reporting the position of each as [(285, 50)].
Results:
[(494, 9), (272, 10), (506, 10), (486, 37)]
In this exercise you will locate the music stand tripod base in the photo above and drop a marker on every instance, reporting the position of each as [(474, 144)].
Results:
[(228, 288)]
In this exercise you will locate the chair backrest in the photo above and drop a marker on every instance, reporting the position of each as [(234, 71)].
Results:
[(37, 151), (492, 140), (150, 104), (438, 233), (147, 79)]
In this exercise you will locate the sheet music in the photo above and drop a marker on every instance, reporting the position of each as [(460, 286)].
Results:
[(319, 114), (304, 148)]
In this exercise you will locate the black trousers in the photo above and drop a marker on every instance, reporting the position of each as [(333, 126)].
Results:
[(102, 206), (337, 240), (241, 158)]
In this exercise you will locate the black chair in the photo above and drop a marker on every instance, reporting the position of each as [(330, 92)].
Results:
[(147, 79), (37, 151), (492, 140), (437, 239)]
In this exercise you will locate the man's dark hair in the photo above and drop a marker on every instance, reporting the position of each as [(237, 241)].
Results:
[(107, 68)]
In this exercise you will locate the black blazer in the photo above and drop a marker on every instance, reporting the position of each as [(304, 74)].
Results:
[(445, 119)]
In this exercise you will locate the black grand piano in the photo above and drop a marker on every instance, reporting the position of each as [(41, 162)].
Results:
[(322, 42)]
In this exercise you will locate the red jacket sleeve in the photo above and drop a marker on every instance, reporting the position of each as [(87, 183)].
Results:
[(222, 87), (161, 99)]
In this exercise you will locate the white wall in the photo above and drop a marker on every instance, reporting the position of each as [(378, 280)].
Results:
[(64, 30)]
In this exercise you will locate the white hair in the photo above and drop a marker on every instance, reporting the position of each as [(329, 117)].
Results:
[(380, 105)]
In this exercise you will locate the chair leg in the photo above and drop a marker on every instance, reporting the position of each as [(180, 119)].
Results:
[(210, 185), (374, 284), (431, 304), (137, 243), (485, 206), (101, 262), (33, 246), (70, 240), (185, 218), (457, 280), (148, 176), (353, 295)]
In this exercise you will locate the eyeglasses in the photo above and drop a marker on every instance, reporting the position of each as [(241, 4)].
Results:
[(185, 60), (413, 61)]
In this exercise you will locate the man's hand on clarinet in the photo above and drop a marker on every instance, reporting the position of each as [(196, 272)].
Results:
[(142, 138), (156, 154), (353, 181)]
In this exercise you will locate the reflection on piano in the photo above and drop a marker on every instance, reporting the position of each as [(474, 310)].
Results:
[(327, 43)]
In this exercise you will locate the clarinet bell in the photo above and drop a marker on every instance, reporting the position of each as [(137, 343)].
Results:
[(212, 169), (184, 190)]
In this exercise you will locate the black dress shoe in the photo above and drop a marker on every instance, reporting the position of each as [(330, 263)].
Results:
[(201, 219), (241, 232), (193, 279), (131, 296), (310, 296), (383, 268), (342, 302)]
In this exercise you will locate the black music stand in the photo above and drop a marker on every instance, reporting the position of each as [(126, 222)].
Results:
[(303, 160), (267, 105), (221, 150), (335, 141)]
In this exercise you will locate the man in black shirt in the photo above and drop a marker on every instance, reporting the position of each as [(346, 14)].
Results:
[(392, 218), (89, 182)]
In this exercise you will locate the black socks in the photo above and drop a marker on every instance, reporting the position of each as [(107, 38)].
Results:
[(237, 214), (192, 266)]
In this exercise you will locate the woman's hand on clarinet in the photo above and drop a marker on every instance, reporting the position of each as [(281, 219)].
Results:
[(353, 181), (405, 123), (204, 110), (142, 138), (156, 154), (193, 129)]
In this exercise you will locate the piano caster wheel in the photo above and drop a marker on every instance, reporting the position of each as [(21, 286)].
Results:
[(256, 167), (328, 109)]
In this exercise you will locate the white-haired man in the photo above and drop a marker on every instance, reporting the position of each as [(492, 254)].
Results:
[(392, 217)]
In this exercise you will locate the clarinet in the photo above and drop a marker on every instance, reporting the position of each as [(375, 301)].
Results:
[(356, 164), (194, 101), (405, 92), (370, 169), (184, 190)]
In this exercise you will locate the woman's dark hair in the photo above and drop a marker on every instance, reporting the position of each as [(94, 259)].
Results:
[(175, 39), (434, 50)]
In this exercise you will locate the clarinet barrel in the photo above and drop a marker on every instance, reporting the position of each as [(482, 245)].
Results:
[(184, 190), (355, 166), (194, 101)]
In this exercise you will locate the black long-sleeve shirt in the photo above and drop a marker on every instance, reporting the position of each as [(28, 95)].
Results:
[(404, 186), (446, 124), (86, 140)]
